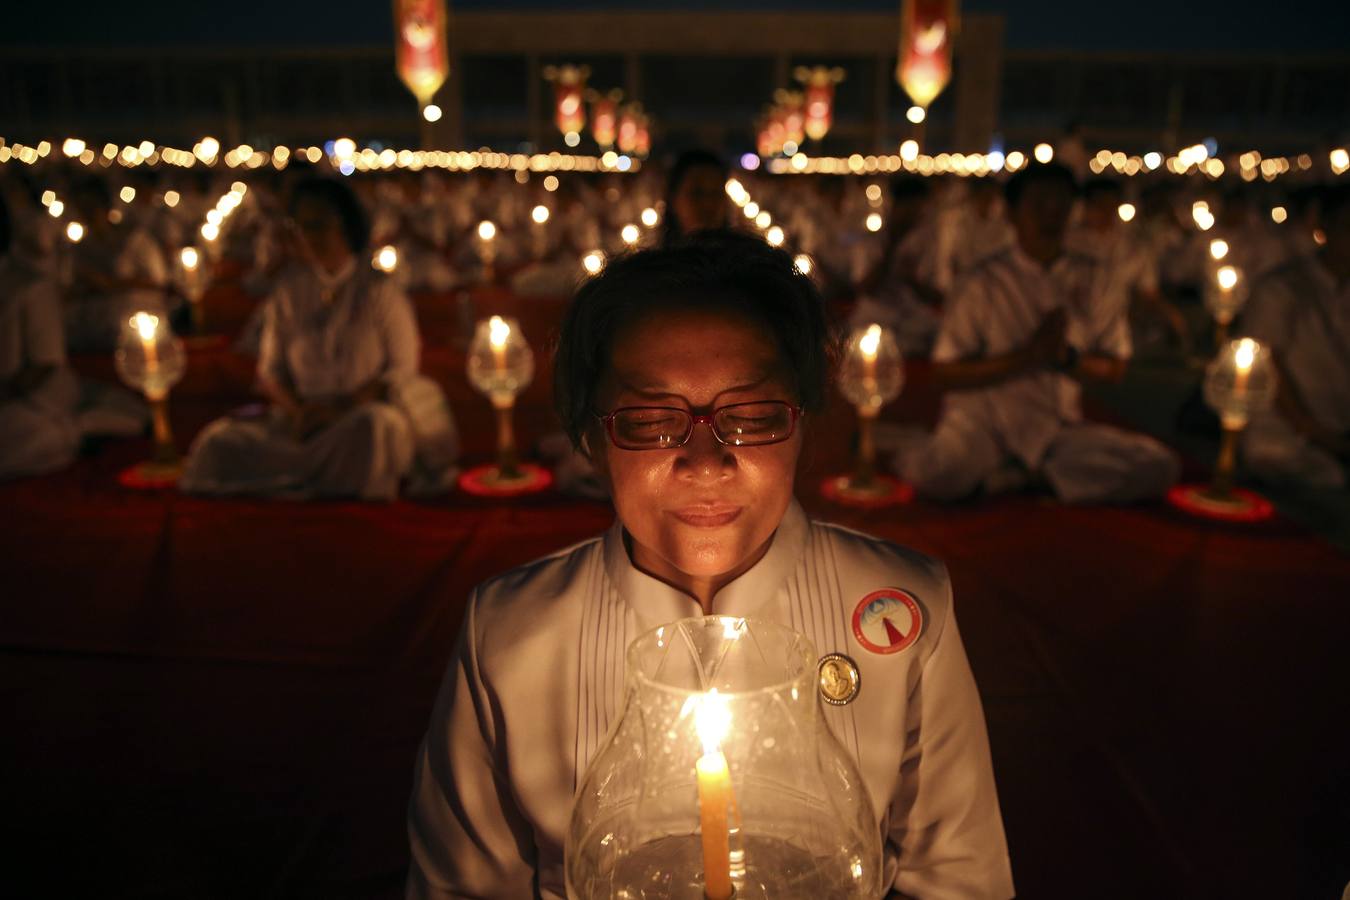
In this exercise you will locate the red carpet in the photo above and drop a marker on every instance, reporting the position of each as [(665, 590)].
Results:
[(223, 698)]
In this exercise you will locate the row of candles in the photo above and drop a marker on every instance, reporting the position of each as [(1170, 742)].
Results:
[(346, 157), (910, 158)]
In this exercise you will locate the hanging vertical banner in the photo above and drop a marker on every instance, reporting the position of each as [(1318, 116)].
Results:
[(642, 141), (605, 116), (629, 120), (819, 82), (793, 111), (569, 91), (421, 54), (924, 66)]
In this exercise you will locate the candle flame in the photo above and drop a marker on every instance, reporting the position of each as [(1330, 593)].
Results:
[(1228, 278), (498, 331), (386, 259), (802, 263), (1245, 354), (870, 342), (486, 230), (145, 325), (189, 256), (1218, 248), (74, 231), (630, 234), (594, 262), (712, 720), (539, 214)]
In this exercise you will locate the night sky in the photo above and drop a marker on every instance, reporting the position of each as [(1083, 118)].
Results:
[(1219, 26)]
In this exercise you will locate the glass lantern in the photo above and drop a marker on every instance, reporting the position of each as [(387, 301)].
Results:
[(721, 777), (1240, 381), (1225, 293), (501, 366), (151, 359), (871, 375)]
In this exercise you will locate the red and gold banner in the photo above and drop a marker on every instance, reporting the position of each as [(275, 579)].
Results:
[(569, 90), (629, 120), (605, 117), (927, 30), (792, 114), (818, 110), (421, 54)]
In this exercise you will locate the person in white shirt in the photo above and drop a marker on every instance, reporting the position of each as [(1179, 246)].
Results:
[(684, 373), (339, 363), (118, 270), (901, 289), (38, 392), (1301, 313), (1127, 270), (1017, 338)]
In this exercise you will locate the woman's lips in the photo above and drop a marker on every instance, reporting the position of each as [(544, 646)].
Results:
[(712, 515)]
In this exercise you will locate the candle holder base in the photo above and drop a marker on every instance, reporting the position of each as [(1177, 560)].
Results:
[(1235, 505), (882, 491), (489, 481), (150, 475)]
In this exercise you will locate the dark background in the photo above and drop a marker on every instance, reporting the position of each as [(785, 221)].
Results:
[(1298, 26)]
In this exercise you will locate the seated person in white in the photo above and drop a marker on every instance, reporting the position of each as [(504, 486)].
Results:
[(117, 270), (339, 363), (1017, 337), (1127, 270), (39, 431), (1301, 313), (901, 289), (683, 372)]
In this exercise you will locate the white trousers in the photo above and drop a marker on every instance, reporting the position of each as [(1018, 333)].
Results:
[(1275, 452), (35, 440), (363, 454), (1086, 462)]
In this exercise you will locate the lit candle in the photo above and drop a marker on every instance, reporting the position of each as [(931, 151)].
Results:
[(146, 325), (712, 720), (540, 215), (1243, 357), (870, 344), (487, 233), (499, 332)]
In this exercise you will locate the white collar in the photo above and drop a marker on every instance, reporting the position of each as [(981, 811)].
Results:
[(656, 603), (330, 282)]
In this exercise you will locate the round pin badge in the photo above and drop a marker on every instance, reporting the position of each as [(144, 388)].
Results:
[(840, 679), (887, 621)]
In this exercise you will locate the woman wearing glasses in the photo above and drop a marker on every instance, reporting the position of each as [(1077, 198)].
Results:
[(686, 374)]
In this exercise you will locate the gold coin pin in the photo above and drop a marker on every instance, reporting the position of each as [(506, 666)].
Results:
[(840, 679)]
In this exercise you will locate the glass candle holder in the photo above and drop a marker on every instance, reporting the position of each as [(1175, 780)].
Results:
[(721, 777), (151, 360), (871, 375), (1241, 380), (500, 366)]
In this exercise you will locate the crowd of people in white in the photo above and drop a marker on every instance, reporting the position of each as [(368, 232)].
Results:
[(1018, 290)]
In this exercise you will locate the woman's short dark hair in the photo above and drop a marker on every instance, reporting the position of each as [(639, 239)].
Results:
[(721, 270), (343, 201)]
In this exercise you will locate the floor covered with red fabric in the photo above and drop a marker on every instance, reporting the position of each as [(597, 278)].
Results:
[(220, 698)]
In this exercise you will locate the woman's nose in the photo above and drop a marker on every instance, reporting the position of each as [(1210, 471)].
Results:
[(704, 457)]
